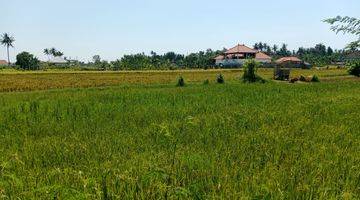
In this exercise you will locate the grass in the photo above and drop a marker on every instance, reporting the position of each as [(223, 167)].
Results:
[(159, 141)]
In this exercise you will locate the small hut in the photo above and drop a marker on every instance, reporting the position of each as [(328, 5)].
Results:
[(281, 73), (291, 62)]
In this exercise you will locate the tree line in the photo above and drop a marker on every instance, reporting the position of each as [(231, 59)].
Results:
[(319, 55)]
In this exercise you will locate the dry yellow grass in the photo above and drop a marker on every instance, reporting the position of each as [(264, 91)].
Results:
[(42, 80)]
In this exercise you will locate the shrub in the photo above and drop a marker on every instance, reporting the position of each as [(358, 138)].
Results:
[(27, 61), (250, 76), (354, 68), (220, 79), (206, 82), (180, 82), (315, 79)]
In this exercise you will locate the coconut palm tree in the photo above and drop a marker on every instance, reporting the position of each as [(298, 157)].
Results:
[(47, 52), (7, 41)]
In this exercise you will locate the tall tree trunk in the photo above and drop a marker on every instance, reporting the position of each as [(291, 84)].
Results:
[(8, 55)]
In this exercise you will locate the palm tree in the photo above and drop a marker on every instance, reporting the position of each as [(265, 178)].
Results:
[(47, 53), (7, 41)]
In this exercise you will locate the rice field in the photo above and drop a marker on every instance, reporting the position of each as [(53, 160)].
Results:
[(11, 81), (67, 136)]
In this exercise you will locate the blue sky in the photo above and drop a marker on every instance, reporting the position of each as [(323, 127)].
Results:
[(112, 28)]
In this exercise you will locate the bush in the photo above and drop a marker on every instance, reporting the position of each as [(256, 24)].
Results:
[(180, 82), (315, 79), (206, 82), (220, 79), (250, 68), (27, 61), (354, 68)]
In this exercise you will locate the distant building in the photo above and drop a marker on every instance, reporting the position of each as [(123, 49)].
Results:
[(57, 61), (237, 55), (292, 62), (3, 62)]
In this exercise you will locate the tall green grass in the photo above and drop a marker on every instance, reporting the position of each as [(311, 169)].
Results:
[(231, 141)]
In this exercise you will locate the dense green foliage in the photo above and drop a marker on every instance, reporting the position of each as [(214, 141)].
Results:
[(251, 141), (169, 60), (27, 61), (354, 68), (319, 56)]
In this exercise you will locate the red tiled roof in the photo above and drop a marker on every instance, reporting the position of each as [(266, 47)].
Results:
[(262, 56), (219, 57), (288, 59), (240, 48), (3, 62)]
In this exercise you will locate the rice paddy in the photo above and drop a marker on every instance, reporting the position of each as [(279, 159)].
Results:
[(134, 135)]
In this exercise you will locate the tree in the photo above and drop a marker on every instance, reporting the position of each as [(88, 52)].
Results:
[(250, 68), (284, 51), (261, 46), (7, 41), (96, 59), (268, 50), (27, 61), (55, 52), (345, 25), (320, 49), (47, 52), (275, 48), (329, 51), (301, 51)]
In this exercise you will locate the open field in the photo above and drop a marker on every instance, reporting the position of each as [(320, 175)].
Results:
[(144, 138), (28, 81)]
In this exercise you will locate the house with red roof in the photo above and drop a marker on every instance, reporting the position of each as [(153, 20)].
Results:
[(237, 55), (292, 62), (3, 62)]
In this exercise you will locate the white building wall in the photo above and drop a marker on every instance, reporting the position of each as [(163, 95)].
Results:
[(237, 62)]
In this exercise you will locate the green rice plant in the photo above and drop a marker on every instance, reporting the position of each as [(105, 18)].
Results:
[(155, 141)]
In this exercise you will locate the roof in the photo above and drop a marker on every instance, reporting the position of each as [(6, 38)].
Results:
[(219, 57), (289, 59), (240, 48), (262, 56), (57, 60), (3, 62)]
